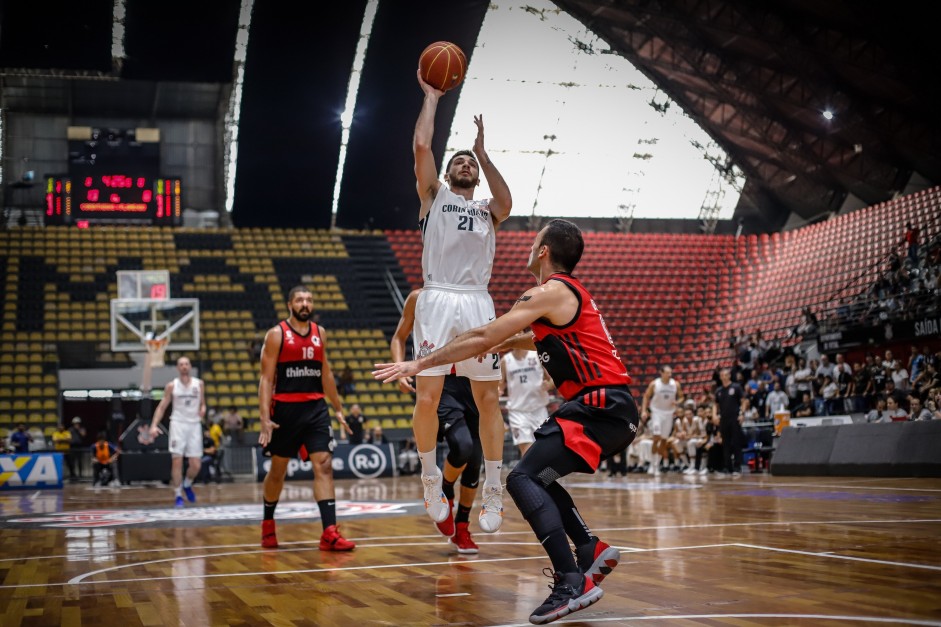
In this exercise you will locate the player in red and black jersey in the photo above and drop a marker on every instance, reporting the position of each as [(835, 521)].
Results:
[(598, 418), (295, 379)]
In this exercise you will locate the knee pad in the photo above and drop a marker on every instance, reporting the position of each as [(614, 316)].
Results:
[(527, 494), (460, 449)]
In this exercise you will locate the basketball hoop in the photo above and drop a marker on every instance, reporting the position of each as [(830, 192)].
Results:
[(156, 348)]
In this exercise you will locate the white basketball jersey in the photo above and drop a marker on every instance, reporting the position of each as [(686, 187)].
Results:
[(458, 241), (664, 396), (524, 382), (186, 400)]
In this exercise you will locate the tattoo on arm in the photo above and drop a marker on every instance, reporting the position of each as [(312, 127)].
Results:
[(523, 299)]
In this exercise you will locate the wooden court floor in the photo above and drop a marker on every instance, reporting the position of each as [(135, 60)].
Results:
[(758, 550)]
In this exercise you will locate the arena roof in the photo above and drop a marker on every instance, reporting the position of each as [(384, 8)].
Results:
[(756, 76)]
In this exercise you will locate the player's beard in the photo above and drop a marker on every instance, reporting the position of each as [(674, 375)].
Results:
[(464, 182), (301, 314)]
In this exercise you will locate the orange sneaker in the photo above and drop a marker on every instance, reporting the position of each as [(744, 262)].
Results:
[(269, 537), (463, 541), (331, 540), (446, 526)]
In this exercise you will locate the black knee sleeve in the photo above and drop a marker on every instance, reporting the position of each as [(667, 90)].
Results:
[(470, 478), (460, 447), (527, 494)]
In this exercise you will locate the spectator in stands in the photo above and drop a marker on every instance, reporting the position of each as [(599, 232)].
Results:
[(825, 368), (233, 425), (209, 468), (910, 239), (215, 429), (62, 443), (806, 407), (759, 398), (696, 440), (104, 454), (77, 431), (919, 411), (878, 414), (748, 413), (803, 378), (357, 422), (20, 439), (894, 410), (900, 378), (408, 457), (830, 393), (860, 390), (928, 381), (891, 392), (817, 392), (934, 406), (916, 363), (713, 448), (810, 325), (878, 375), (777, 401), (843, 378), (376, 437), (748, 356), (346, 381), (889, 363)]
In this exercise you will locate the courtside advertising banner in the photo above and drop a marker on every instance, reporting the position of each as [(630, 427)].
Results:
[(32, 471), (357, 461)]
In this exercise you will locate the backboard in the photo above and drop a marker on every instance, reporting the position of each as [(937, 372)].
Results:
[(143, 284), (134, 320)]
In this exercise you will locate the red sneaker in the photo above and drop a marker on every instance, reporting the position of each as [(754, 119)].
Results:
[(446, 526), (596, 559), (463, 541), (331, 540), (269, 537)]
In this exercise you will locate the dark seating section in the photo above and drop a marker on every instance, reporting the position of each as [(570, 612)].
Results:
[(59, 282)]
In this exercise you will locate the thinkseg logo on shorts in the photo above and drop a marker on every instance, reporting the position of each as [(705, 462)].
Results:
[(293, 372)]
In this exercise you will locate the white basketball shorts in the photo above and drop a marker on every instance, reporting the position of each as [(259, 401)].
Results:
[(440, 316), (186, 439), (524, 423), (661, 423)]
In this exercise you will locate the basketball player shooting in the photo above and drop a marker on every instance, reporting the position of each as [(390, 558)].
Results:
[(459, 241), (598, 417)]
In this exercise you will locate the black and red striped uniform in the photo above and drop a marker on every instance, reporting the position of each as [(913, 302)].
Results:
[(299, 375), (580, 354)]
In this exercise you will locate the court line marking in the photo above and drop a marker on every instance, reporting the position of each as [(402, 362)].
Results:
[(453, 594), (771, 486), (79, 579), (100, 554), (671, 617), (842, 557)]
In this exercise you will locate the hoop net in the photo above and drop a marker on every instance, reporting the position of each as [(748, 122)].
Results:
[(155, 351)]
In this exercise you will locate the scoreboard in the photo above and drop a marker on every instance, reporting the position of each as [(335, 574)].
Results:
[(113, 198), (113, 177)]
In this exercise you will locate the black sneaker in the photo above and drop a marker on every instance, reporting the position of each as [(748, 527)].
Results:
[(596, 559), (570, 592)]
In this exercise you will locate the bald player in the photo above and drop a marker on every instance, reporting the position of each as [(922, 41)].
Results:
[(659, 407)]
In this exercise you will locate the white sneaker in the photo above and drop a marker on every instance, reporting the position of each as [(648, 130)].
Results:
[(436, 503), (703, 471), (689, 471), (491, 512)]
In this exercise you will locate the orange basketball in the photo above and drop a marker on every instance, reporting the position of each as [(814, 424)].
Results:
[(442, 65)]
